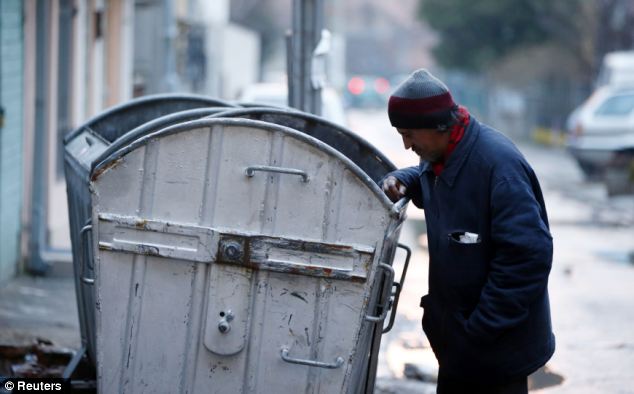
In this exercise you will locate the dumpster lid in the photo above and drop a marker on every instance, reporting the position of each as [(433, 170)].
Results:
[(351, 144), (112, 160), (155, 125)]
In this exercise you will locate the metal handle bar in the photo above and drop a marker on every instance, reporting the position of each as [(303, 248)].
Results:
[(399, 287), (311, 363), (390, 275), (397, 208), (82, 233), (250, 171)]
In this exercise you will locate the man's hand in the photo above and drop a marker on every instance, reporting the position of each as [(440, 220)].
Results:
[(393, 188)]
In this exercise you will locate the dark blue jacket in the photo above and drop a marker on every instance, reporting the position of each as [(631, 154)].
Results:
[(487, 314)]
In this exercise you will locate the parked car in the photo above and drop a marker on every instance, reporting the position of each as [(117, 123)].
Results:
[(602, 126), (276, 94), (617, 68)]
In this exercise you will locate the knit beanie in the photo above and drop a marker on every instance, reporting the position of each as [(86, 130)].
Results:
[(422, 101)]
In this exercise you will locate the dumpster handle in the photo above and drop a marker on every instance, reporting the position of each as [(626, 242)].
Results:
[(399, 287), (250, 171), (398, 206), (82, 233), (390, 275), (311, 363)]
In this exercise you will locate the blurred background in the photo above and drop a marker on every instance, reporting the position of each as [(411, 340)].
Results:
[(556, 76)]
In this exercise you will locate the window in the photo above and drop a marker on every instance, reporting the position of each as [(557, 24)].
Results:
[(620, 105)]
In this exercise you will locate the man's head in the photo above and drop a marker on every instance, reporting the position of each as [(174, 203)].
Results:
[(422, 110)]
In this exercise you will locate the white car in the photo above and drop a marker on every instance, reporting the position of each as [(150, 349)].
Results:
[(275, 94), (603, 125), (617, 68)]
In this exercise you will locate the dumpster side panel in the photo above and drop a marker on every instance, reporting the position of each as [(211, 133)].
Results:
[(299, 207), (120, 325), (160, 320), (166, 189), (235, 200), (114, 320), (362, 219), (158, 343), (122, 193), (180, 167)]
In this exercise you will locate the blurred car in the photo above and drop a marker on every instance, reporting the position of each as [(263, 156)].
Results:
[(367, 91), (600, 127), (276, 94), (617, 68)]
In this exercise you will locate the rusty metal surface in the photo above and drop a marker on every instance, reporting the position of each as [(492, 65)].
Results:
[(295, 265)]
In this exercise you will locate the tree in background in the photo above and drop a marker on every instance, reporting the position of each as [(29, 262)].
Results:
[(549, 49), (476, 34)]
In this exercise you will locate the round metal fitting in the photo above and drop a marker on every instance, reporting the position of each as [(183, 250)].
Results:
[(232, 250)]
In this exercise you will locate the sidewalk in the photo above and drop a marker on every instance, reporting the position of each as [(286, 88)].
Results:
[(39, 307)]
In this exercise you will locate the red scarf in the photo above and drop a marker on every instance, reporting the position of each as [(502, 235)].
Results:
[(456, 134)]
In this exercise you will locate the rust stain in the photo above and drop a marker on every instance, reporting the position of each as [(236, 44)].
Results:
[(105, 168), (141, 224)]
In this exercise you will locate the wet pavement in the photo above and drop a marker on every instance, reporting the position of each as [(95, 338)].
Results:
[(39, 307), (591, 286)]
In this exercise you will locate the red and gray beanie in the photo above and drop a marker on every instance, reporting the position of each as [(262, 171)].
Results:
[(422, 101)]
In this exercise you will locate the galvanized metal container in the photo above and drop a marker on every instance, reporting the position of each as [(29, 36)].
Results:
[(83, 148), (234, 255)]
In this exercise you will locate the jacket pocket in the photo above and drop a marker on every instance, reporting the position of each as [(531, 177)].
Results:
[(433, 322), (466, 262), (464, 353)]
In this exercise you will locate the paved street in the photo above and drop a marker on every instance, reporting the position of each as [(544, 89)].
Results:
[(592, 296)]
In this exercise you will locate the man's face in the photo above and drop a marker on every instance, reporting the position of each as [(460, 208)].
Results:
[(429, 144)]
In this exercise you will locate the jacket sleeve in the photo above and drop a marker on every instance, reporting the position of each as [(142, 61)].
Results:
[(410, 178), (520, 266)]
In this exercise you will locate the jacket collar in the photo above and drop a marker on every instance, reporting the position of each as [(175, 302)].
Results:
[(458, 156)]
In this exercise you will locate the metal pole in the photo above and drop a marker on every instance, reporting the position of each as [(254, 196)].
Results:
[(170, 81), (38, 215), (307, 29)]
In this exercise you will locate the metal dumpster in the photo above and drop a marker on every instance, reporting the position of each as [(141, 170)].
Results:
[(83, 147), (234, 255)]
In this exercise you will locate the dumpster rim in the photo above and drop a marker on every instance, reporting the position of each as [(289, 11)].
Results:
[(143, 100)]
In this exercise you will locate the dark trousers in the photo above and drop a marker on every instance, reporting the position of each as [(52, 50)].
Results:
[(446, 386)]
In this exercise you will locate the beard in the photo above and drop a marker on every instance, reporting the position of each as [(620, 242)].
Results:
[(430, 156)]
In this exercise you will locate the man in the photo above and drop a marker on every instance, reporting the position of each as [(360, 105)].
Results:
[(487, 313)]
